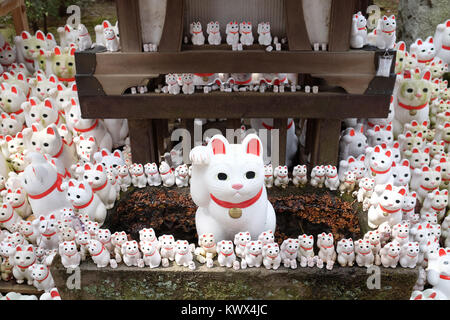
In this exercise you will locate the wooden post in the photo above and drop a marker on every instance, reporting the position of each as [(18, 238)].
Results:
[(144, 147), (172, 34), (295, 26), (20, 17), (325, 144), (281, 125), (340, 24)]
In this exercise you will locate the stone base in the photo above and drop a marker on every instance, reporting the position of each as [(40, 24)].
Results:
[(220, 283)]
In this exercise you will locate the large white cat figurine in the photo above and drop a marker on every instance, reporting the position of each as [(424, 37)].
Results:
[(228, 186)]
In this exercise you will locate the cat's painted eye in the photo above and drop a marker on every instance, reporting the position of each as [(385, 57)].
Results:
[(409, 90), (250, 174), (222, 176)]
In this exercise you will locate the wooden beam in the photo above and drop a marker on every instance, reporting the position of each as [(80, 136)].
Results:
[(237, 105), (340, 24), (129, 25), (172, 34), (351, 62), (9, 5), (297, 33)]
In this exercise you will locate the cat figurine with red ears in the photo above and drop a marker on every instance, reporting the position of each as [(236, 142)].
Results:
[(42, 183), (386, 204), (425, 181), (245, 29), (379, 163), (22, 260), (442, 41), (358, 37), (167, 175), (232, 31), (97, 179), (424, 50), (228, 186), (352, 143), (411, 101), (435, 202), (385, 35), (85, 200)]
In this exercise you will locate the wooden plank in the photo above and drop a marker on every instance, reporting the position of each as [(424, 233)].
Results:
[(172, 34), (237, 105), (295, 26), (142, 141), (129, 25), (228, 61), (19, 16), (340, 24), (161, 131)]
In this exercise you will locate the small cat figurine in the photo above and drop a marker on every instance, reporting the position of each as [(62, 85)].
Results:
[(442, 41), (245, 30), (385, 36), (111, 40), (232, 31), (358, 37), (213, 31), (195, 29)]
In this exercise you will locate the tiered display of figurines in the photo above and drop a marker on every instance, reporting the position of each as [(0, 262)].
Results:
[(60, 173)]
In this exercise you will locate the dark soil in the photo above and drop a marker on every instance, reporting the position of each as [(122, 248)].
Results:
[(171, 211)]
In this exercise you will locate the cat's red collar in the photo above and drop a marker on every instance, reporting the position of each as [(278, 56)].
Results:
[(241, 205)]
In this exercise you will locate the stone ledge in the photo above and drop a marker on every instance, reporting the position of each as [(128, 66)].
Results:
[(177, 282)]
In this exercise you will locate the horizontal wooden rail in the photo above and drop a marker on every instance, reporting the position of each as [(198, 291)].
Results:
[(236, 105), (228, 61)]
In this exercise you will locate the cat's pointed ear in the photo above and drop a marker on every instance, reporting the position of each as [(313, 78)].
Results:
[(253, 145), (218, 144)]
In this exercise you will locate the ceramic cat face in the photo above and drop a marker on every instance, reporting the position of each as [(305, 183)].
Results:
[(299, 170), (63, 63), (15, 144), (331, 171), (350, 177), (213, 27), (380, 160), (271, 249), (254, 247), (409, 201), (232, 27), (225, 246), (148, 235), (39, 175), (47, 141), (182, 247), (363, 246), (166, 241), (245, 27), (401, 173), (44, 112), (7, 56), (355, 140), (11, 98), (414, 92), (367, 183), (242, 238), (423, 233), (119, 238), (388, 23), (345, 245), (400, 231), (44, 87), (415, 127), (69, 247), (431, 218), (281, 171), (10, 125), (171, 78), (264, 27), (79, 193), (47, 225), (430, 178), (373, 237), (108, 159), (306, 241), (83, 237), (392, 197), (410, 141), (130, 247), (235, 171), (268, 170), (424, 50), (94, 175), (438, 69), (266, 237), (24, 255), (325, 240), (439, 200), (196, 27), (378, 136), (419, 158), (64, 95), (32, 44), (86, 147)]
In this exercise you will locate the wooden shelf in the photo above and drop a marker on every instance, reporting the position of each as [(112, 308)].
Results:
[(227, 61), (235, 105)]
